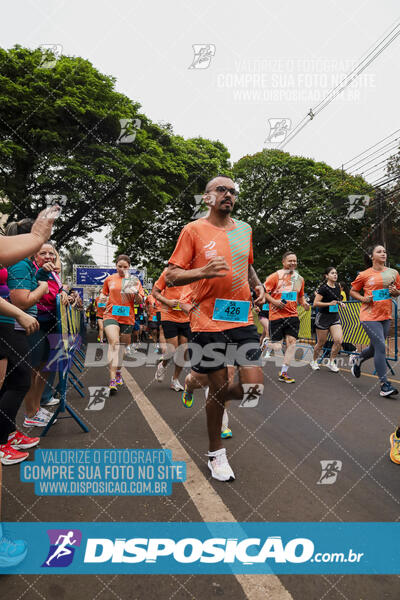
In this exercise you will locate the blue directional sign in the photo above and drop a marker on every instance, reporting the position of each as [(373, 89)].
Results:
[(97, 275)]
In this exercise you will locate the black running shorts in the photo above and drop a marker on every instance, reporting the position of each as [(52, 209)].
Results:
[(173, 329), (279, 328), (326, 320), (214, 350)]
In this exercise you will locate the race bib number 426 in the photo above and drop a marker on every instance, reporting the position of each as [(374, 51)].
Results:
[(236, 311)]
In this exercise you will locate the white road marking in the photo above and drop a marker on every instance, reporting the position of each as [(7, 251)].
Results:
[(202, 494)]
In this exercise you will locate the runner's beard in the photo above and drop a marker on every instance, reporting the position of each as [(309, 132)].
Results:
[(226, 207)]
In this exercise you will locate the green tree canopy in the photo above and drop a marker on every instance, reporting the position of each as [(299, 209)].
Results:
[(295, 203), (391, 209), (59, 129), (75, 255)]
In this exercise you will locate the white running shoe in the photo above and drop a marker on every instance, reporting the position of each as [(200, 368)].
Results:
[(314, 365), (160, 373), (52, 402), (265, 351), (40, 419), (176, 385), (332, 366), (352, 359), (47, 414), (219, 466)]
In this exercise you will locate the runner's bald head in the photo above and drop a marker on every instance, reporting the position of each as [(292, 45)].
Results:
[(219, 180)]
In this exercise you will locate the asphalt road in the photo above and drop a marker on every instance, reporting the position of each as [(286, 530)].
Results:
[(275, 453)]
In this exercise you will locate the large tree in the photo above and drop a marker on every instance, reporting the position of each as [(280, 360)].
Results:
[(76, 254), (295, 203), (390, 209), (60, 134)]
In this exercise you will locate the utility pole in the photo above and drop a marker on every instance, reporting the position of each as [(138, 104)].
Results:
[(381, 209)]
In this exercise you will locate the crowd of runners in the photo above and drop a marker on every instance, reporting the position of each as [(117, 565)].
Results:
[(201, 312), (202, 308)]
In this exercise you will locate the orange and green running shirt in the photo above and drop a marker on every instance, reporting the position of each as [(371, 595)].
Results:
[(198, 243), (117, 301), (372, 282), (278, 284), (172, 293), (99, 309)]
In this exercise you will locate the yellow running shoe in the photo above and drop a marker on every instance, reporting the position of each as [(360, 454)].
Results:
[(284, 377), (226, 433), (187, 398), (395, 448), (113, 387)]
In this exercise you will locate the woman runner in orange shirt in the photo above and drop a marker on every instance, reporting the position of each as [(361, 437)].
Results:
[(123, 290), (379, 283)]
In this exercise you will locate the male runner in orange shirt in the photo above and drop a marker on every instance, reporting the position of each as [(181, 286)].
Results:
[(284, 291), (214, 254)]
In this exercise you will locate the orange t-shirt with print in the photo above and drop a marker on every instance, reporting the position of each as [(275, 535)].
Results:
[(198, 243), (284, 281), (172, 293), (99, 309), (371, 280), (112, 288)]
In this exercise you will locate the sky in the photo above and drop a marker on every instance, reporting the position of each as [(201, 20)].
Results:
[(267, 60)]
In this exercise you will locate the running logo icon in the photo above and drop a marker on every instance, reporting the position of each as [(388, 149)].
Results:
[(357, 206), (251, 395), (62, 547), (329, 471), (199, 211), (203, 54), (56, 199), (128, 130), (278, 130), (98, 396), (209, 250), (51, 53)]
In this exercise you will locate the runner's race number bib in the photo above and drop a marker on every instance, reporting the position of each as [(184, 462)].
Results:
[(236, 311), (120, 311), (289, 296), (334, 308), (101, 304), (265, 306), (382, 294), (154, 318)]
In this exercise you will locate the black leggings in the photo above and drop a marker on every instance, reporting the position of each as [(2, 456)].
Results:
[(13, 346)]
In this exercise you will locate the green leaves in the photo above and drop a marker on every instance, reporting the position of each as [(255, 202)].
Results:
[(294, 203)]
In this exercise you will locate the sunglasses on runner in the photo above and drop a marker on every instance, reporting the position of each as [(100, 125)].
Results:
[(224, 189)]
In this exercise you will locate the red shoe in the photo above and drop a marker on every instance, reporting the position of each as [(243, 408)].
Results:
[(19, 441), (10, 456)]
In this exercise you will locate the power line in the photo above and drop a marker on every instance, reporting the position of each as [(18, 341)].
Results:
[(375, 184), (366, 162), (357, 70), (375, 164), (316, 110), (370, 148)]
